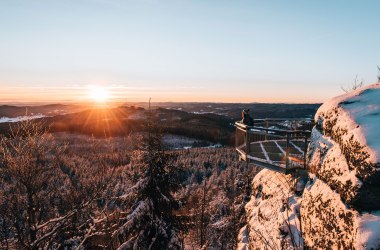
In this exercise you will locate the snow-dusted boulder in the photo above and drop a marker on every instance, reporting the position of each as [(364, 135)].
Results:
[(345, 147), (273, 220), (340, 204)]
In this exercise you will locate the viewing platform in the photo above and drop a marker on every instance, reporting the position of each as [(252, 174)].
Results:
[(276, 144)]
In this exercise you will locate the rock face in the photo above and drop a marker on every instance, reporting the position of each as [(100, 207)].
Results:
[(273, 220), (340, 206), (344, 158), (345, 147), (327, 223)]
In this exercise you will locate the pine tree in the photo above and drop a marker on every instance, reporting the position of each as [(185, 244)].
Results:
[(152, 223)]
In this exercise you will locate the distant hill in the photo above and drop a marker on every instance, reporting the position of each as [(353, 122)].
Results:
[(204, 121), (124, 120), (233, 110), (48, 110)]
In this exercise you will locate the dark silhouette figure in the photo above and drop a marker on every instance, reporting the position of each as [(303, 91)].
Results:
[(246, 118)]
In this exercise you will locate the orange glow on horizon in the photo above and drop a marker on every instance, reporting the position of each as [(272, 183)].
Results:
[(100, 94)]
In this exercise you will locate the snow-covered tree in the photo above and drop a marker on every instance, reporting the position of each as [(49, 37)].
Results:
[(46, 200), (152, 222), (29, 177)]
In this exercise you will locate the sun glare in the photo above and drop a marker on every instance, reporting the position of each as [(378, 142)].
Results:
[(98, 94)]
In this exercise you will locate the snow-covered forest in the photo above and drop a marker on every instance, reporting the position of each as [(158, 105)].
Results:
[(73, 191)]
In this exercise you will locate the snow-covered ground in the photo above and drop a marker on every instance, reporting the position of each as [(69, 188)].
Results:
[(20, 118), (182, 142)]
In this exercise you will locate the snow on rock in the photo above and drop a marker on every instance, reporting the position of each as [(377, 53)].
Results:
[(326, 221), (272, 214), (339, 205), (351, 123), (368, 231), (328, 162), (355, 114), (243, 243)]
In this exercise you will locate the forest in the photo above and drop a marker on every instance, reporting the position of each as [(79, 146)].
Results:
[(72, 191)]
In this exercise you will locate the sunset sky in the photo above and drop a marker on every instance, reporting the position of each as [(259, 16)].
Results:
[(183, 50)]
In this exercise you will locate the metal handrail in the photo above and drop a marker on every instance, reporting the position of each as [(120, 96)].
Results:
[(248, 128), (284, 119), (270, 134)]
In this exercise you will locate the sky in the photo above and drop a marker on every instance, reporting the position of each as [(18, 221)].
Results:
[(181, 50)]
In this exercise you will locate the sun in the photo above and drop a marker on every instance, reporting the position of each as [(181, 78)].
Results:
[(98, 94)]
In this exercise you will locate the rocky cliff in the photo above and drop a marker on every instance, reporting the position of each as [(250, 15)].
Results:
[(273, 219), (340, 206)]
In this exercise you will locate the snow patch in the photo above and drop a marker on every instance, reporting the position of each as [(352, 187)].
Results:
[(359, 113), (20, 118), (243, 242), (368, 236)]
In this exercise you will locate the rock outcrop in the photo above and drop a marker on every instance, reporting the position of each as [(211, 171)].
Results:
[(345, 147), (340, 206), (340, 203), (273, 220)]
